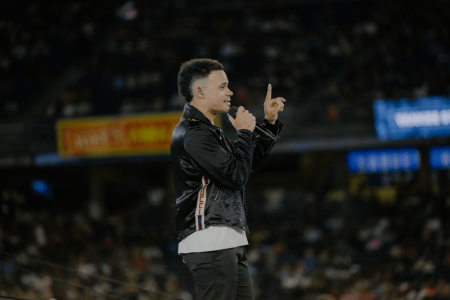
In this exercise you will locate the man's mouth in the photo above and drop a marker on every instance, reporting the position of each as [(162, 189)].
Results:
[(228, 101)]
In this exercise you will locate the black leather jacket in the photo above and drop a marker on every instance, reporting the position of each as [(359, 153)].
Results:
[(210, 172)]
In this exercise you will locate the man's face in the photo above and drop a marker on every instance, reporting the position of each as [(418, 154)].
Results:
[(217, 93)]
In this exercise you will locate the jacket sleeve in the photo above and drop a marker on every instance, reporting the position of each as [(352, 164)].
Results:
[(230, 170), (263, 146)]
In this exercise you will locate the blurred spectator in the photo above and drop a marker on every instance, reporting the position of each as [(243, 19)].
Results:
[(330, 61), (294, 256)]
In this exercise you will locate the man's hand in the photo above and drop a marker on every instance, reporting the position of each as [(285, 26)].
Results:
[(272, 106), (244, 120)]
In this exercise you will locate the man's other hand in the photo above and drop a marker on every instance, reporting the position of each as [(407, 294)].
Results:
[(272, 106)]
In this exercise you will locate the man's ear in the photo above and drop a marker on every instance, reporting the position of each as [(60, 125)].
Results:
[(198, 91)]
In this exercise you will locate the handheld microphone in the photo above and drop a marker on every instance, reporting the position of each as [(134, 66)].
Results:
[(258, 128)]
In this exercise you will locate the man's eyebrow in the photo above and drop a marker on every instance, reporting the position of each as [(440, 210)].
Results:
[(224, 83)]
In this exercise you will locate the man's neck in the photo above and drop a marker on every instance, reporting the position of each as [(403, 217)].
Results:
[(210, 115)]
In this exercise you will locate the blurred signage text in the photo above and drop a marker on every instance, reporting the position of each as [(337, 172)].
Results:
[(439, 158), (109, 136), (421, 118), (383, 160)]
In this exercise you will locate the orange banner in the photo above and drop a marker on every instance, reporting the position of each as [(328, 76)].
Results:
[(110, 136), (128, 135)]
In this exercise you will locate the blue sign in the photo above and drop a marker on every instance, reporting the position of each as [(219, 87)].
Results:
[(421, 118), (439, 158), (383, 160)]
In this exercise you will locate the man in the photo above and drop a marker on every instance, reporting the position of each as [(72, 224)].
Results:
[(210, 172)]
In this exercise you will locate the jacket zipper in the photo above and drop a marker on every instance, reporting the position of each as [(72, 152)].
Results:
[(217, 194)]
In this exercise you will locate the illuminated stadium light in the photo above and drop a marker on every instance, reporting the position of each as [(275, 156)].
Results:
[(41, 187)]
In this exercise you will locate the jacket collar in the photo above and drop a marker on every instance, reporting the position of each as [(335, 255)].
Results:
[(192, 112)]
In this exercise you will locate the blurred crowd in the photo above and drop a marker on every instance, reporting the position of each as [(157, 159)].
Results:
[(304, 244), (52, 253), (331, 59), (351, 247)]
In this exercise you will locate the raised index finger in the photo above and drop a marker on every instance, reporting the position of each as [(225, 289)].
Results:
[(269, 92)]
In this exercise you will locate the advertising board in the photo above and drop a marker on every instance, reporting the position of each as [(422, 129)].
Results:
[(421, 118)]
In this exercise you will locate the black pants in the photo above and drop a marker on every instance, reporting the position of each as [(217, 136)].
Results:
[(221, 274)]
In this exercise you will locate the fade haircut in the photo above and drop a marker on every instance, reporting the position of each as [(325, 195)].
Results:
[(193, 70)]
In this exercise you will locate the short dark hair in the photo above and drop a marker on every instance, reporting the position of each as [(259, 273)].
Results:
[(192, 70)]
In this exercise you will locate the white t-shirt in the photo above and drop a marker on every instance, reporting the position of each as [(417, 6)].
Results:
[(213, 238)]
